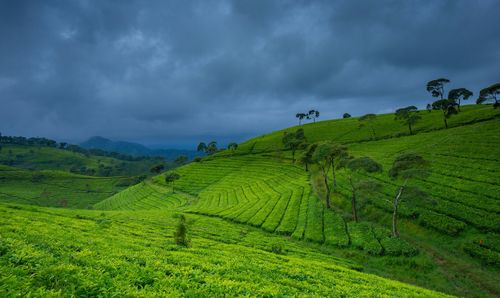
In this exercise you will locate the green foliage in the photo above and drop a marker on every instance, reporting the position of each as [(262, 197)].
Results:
[(293, 141), (408, 116), (489, 94), (436, 87), (409, 165), (395, 246), (346, 115), (181, 233), (459, 94), (441, 222)]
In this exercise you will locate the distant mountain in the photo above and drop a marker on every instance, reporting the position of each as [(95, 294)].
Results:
[(135, 149)]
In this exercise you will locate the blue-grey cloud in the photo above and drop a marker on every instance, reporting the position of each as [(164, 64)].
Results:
[(182, 71)]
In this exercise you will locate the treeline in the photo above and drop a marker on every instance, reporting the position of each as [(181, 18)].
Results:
[(44, 142)]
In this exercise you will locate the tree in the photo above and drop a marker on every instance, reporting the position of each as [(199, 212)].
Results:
[(458, 95), (490, 94), (448, 108), (436, 87), (232, 146), (171, 177), (181, 159), (346, 115), (406, 166), (329, 156), (293, 141), (429, 107), (211, 148), (300, 116), (313, 114), (408, 116), (202, 147), (157, 169), (368, 118), (306, 157), (181, 232), (356, 166)]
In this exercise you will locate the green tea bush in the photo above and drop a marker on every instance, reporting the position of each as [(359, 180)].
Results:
[(394, 246), (441, 222), (181, 233), (486, 255)]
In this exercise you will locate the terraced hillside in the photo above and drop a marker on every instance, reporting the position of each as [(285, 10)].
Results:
[(56, 188), (51, 158), (56, 252), (458, 230)]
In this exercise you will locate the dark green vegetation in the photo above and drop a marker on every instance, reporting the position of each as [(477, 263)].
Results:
[(259, 223)]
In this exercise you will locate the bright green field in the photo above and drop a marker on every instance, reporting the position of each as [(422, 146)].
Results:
[(48, 158), (56, 188), (245, 202), (131, 254)]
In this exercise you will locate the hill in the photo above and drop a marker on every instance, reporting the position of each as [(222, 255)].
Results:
[(258, 185), (34, 157), (134, 149), (49, 253)]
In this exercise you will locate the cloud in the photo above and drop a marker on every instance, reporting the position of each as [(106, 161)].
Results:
[(180, 71)]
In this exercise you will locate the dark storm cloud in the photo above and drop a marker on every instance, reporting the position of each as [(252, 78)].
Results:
[(182, 71)]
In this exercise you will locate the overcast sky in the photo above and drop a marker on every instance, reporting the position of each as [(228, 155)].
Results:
[(179, 72)]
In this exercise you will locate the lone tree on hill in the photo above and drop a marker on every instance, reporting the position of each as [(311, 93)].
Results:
[(300, 116), (293, 141), (181, 233), (408, 116), (171, 178), (306, 157), (458, 95), (407, 166), (202, 147), (181, 159), (490, 94), (355, 167), (313, 114), (329, 156), (157, 169), (346, 115), (232, 146), (211, 148), (368, 118), (436, 87), (448, 108)]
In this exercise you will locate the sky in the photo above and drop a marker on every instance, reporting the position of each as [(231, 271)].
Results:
[(174, 73)]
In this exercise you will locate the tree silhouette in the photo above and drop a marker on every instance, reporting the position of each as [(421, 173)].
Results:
[(448, 108), (171, 177), (458, 95), (300, 116), (306, 157), (181, 159), (202, 147), (490, 94), (436, 87), (293, 141), (313, 114), (407, 166), (211, 148), (346, 115), (157, 169), (232, 146), (408, 116)]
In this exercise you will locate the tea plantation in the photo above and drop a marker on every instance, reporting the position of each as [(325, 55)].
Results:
[(258, 223)]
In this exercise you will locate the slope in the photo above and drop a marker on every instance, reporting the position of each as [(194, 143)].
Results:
[(133, 254)]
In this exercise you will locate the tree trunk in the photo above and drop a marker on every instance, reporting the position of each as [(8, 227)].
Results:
[(445, 123), (325, 177), (353, 201), (395, 232), (409, 126), (459, 104), (293, 156)]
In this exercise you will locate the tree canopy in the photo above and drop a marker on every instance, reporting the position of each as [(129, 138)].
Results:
[(448, 108), (436, 87), (293, 141), (459, 94), (490, 94), (408, 116)]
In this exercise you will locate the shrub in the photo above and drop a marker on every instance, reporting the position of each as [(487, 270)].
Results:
[(180, 234), (277, 248), (394, 246), (441, 222)]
